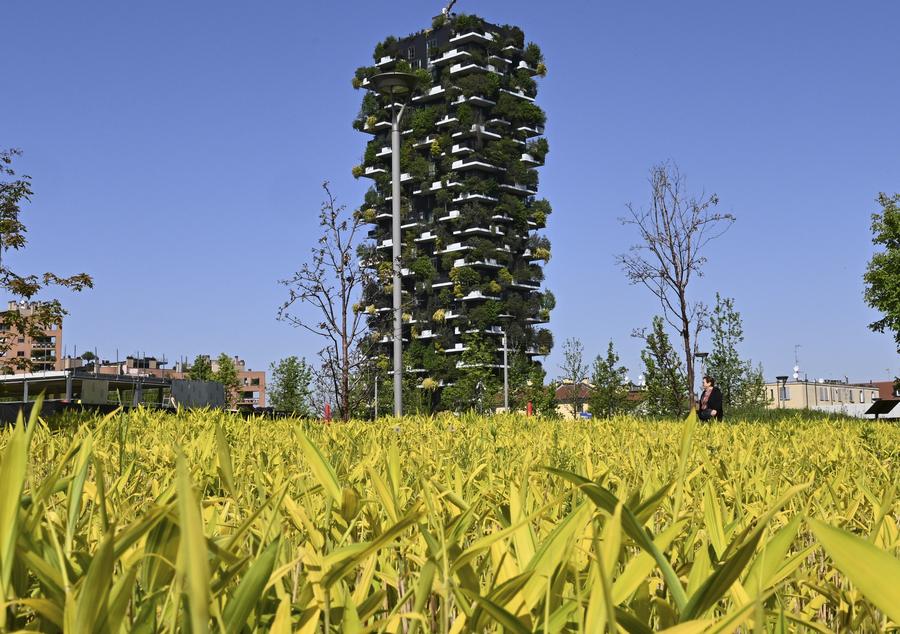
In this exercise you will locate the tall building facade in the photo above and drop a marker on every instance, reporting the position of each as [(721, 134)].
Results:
[(472, 251)]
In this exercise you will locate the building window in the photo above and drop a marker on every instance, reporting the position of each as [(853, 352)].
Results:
[(823, 393), (850, 395), (254, 381), (20, 353), (411, 52), (771, 394), (785, 393)]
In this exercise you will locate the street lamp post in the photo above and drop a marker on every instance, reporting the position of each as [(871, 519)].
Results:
[(394, 86), (505, 377)]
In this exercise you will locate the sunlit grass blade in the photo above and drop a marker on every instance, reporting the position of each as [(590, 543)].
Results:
[(873, 571)]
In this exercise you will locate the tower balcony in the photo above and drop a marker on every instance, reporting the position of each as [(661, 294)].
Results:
[(518, 189), (452, 214), (426, 142), (528, 159), (517, 93), (372, 172), (528, 285), (478, 296), (427, 236), (447, 120), (529, 131), (483, 231), (497, 122), (499, 59), (385, 151), (403, 178), (472, 36), (453, 55), (476, 100), (379, 126), (387, 244), (464, 165), (523, 65), (489, 263), (435, 186), (457, 347), (478, 130), (386, 62), (464, 69), (469, 197), (432, 94), (456, 247), (461, 148)]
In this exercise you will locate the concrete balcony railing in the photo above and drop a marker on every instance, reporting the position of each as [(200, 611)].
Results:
[(453, 55), (472, 36), (517, 93), (463, 165)]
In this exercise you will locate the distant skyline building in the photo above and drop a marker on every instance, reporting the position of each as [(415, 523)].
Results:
[(471, 251)]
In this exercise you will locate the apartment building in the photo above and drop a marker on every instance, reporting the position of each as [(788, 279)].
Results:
[(252, 390), (43, 352), (824, 395)]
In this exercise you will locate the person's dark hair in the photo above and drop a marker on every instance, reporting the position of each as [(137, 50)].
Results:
[(710, 380)]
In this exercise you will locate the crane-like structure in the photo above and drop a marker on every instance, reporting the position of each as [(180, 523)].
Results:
[(446, 10)]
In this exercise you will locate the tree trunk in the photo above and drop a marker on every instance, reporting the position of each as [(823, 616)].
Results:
[(686, 341)]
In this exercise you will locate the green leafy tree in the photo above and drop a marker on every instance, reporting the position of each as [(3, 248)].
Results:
[(610, 394), (201, 369), (666, 388), (226, 373), (742, 385), (724, 362), (39, 316), (289, 387), (527, 385), (882, 276)]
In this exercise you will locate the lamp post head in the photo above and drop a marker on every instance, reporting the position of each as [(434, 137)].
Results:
[(394, 84), (701, 355), (782, 378)]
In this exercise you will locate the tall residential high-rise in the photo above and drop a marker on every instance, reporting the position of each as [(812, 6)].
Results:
[(471, 248)]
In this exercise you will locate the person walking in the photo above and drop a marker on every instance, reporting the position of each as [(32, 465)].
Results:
[(710, 400)]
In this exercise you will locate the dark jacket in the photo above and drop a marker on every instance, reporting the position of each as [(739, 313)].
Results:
[(715, 402)]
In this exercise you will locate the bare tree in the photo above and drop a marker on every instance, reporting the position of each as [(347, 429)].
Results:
[(331, 283), (674, 233), (575, 369)]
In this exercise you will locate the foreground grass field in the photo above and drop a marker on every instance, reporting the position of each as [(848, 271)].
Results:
[(144, 522)]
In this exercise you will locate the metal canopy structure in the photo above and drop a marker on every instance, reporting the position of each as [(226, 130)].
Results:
[(882, 407)]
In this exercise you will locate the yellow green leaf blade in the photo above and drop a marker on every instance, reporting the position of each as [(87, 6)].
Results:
[(872, 570)]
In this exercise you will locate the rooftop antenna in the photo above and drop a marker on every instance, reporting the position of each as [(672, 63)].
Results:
[(797, 362)]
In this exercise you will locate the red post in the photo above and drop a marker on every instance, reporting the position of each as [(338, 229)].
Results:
[(530, 409), (327, 412)]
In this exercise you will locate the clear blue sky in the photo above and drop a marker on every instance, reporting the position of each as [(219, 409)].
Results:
[(177, 150)]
